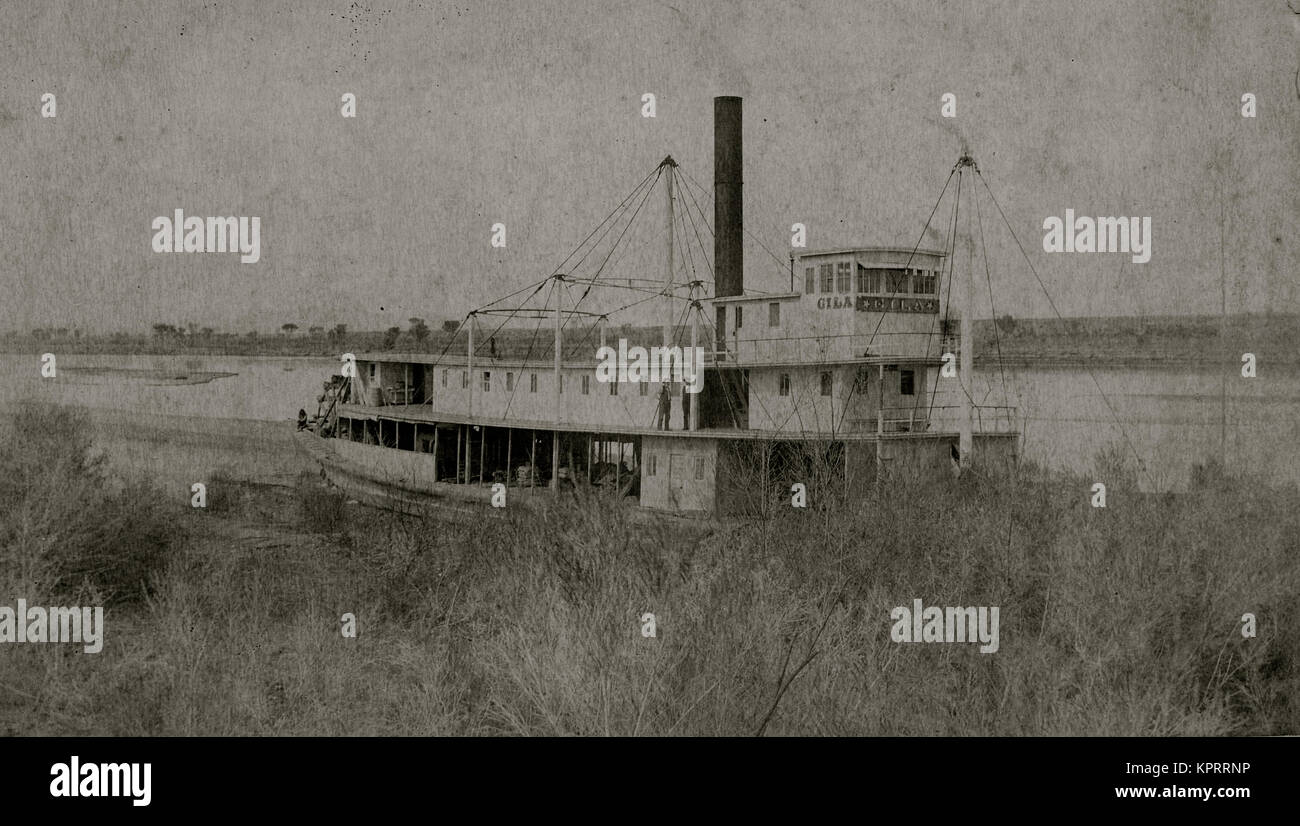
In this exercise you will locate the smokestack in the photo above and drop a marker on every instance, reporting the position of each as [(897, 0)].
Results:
[(728, 201)]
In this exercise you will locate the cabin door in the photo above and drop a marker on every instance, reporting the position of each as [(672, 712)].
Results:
[(677, 479), (418, 373)]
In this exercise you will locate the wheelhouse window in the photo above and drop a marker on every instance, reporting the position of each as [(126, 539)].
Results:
[(895, 281), (810, 280), (842, 272), (827, 274), (785, 384), (907, 382), (924, 282), (827, 383), (871, 280)]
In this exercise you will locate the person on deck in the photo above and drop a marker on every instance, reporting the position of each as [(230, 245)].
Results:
[(686, 409), (665, 405)]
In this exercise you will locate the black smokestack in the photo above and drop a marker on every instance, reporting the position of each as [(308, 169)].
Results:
[(728, 203)]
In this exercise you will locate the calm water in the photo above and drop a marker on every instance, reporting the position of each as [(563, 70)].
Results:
[(1171, 417)]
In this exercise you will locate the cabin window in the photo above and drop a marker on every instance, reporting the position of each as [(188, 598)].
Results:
[(532, 382), (810, 280), (785, 384), (740, 317), (896, 281), (862, 279), (827, 383), (774, 314), (721, 330), (643, 388), (842, 271), (510, 382), (923, 283), (650, 464), (464, 379), (445, 371), (372, 369), (827, 273), (586, 385), (699, 467), (487, 381), (907, 382)]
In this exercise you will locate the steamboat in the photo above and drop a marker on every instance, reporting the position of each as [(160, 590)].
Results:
[(858, 372)]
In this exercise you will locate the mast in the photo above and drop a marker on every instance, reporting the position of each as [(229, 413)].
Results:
[(667, 165), (965, 438)]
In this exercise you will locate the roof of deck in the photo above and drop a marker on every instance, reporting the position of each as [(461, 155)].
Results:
[(424, 414)]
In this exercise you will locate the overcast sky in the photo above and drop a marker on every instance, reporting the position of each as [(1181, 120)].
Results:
[(529, 114)]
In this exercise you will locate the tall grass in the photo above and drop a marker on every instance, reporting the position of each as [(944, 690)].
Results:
[(1124, 620)]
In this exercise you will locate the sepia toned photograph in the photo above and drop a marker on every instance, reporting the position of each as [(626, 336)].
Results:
[(650, 369)]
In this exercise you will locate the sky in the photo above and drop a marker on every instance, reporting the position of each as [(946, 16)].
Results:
[(529, 114)]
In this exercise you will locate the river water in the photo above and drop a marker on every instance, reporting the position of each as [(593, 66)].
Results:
[(1170, 418)]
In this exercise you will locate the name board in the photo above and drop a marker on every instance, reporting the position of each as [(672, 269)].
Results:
[(881, 304)]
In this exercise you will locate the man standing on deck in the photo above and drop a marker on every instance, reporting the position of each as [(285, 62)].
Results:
[(686, 409), (664, 407)]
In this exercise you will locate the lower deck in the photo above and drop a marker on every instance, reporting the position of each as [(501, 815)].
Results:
[(720, 471)]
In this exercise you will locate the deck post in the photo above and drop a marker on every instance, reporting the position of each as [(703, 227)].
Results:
[(555, 434), (469, 365), (435, 451), (482, 444), (880, 418), (532, 458), (591, 447), (510, 439), (694, 418), (457, 477)]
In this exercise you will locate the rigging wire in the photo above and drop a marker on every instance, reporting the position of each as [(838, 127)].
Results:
[(1141, 464)]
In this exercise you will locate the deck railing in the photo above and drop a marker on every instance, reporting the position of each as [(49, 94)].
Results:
[(921, 419), (796, 350)]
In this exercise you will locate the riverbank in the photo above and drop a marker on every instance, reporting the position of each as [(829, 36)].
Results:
[(228, 620), (1069, 342)]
